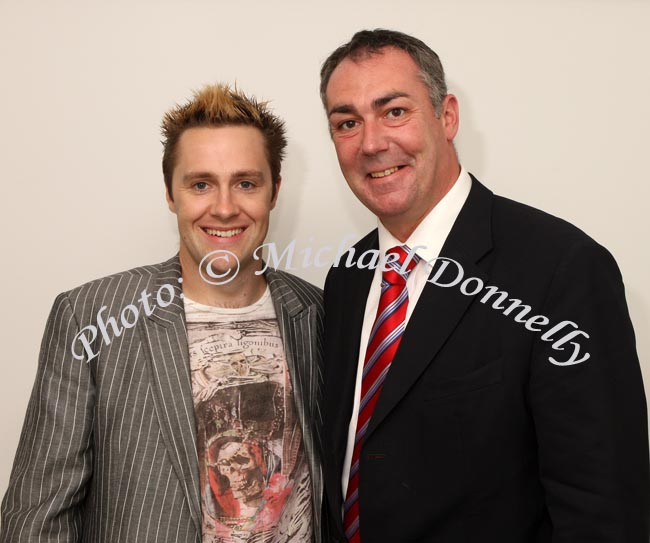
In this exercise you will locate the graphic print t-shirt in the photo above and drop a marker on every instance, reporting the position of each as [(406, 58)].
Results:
[(255, 484)]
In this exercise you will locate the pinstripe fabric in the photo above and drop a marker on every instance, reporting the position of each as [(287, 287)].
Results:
[(298, 324), (108, 449)]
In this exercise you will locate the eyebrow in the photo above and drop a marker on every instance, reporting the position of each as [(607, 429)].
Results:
[(378, 103), (255, 174), (381, 102), (239, 174), (197, 175)]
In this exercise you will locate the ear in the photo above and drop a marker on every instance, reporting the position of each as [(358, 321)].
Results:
[(450, 116), (277, 191), (170, 202)]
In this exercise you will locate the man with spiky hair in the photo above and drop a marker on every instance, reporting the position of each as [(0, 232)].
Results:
[(485, 387), (177, 401)]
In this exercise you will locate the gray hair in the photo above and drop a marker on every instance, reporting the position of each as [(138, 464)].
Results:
[(371, 42)]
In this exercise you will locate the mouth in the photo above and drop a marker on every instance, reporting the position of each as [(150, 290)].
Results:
[(231, 233), (385, 173)]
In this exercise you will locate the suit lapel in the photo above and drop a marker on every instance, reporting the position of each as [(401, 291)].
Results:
[(297, 324), (439, 309), (164, 336), (342, 343), (344, 376)]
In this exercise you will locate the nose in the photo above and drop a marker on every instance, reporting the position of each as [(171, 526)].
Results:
[(224, 205), (374, 138)]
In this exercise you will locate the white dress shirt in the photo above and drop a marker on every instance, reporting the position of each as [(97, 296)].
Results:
[(428, 237)]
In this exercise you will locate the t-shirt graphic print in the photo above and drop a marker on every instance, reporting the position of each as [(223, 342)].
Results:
[(255, 484)]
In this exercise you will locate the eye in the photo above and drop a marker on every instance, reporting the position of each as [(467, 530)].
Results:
[(201, 186), (395, 112), (246, 185), (346, 125)]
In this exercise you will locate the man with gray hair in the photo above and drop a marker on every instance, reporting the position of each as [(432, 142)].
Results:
[(484, 384)]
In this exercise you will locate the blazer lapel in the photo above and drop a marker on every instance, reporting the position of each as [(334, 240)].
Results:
[(342, 343), (164, 336), (298, 325), (343, 383), (439, 309)]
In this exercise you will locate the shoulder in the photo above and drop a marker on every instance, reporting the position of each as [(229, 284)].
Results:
[(514, 223), (125, 286), (521, 220), (536, 252), (537, 237), (517, 232)]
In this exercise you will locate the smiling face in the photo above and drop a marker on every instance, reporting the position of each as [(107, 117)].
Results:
[(396, 155), (222, 197)]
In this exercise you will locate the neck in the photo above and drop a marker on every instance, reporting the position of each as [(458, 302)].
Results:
[(245, 289), (403, 226)]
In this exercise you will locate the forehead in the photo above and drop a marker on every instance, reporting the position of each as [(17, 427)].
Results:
[(371, 75), (224, 147)]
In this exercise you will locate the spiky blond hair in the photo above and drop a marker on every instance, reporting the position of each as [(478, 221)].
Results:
[(219, 105)]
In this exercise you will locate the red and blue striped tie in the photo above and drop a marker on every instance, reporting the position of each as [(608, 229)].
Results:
[(384, 340)]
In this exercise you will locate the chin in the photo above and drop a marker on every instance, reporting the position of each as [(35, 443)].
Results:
[(390, 210)]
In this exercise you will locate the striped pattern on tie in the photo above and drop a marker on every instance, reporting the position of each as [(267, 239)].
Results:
[(384, 340)]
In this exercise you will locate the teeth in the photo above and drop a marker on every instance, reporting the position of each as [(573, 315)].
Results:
[(224, 233), (375, 175)]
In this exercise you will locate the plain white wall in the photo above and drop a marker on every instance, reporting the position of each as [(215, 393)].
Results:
[(554, 112)]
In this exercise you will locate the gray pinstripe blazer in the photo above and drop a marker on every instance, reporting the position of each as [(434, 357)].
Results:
[(108, 449)]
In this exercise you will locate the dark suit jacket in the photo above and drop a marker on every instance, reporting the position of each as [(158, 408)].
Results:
[(477, 436), (108, 449)]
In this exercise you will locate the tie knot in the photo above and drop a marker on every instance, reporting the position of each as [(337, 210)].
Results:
[(397, 271)]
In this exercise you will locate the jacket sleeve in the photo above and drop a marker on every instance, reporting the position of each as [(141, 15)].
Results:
[(590, 413), (53, 464)]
